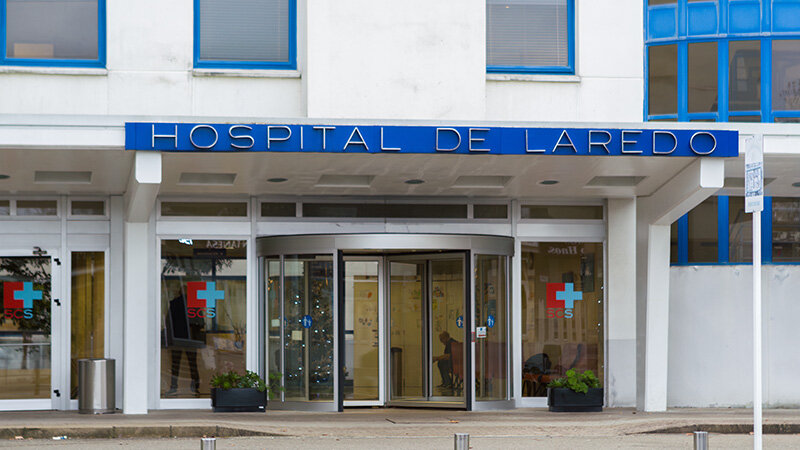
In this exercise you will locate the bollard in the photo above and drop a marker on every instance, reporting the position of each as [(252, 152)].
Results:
[(701, 440), (461, 441), (208, 443)]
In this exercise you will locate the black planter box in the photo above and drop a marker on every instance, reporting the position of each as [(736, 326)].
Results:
[(567, 400), (238, 400)]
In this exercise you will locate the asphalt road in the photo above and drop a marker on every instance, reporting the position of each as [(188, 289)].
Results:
[(647, 441)]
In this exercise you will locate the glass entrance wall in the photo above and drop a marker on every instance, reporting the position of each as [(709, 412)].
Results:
[(562, 312), (25, 328), (491, 346), (308, 333), (362, 330), (87, 310), (407, 334), (203, 313), (446, 335)]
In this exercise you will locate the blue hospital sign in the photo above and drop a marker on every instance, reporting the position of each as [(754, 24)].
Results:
[(394, 139)]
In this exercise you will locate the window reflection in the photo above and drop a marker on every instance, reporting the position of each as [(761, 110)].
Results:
[(702, 73), (786, 75), (203, 313), (562, 312), (786, 229), (744, 76), (703, 232), (663, 79)]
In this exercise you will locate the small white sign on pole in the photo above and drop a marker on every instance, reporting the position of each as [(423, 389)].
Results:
[(754, 203), (754, 174)]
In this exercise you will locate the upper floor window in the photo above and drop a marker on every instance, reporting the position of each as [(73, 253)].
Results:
[(245, 34), (53, 32), (530, 36), (720, 61)]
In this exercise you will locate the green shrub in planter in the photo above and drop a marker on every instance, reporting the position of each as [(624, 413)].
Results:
[(232, 392), (575, 393)]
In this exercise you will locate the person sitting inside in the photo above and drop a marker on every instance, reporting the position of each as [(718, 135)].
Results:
[(445, 361)]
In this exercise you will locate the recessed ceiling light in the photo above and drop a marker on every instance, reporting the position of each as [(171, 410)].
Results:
[(414, 181), (4, 176), (548, 182), (796, 184), (277, 180)]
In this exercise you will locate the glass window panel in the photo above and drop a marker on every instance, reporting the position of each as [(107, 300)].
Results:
[(662, 79), (203, 209), (53, 29), (446, 339), (361, 374), (562, 212), (278, 209), (308, 327), (702, 77), (560, 334), (785, 229), (744, 82), (380, 210), (703, 232), (407, 285), (5, 207), (661, 2), (491, 352), (785, 75), (673, 243), (25, 328), (272, 266), (527, 33), (746, 119), (244, 30), (88, 311), (787, 120), (490, 211), (88, 208), (203, 313), (37, 208), (740, 231)]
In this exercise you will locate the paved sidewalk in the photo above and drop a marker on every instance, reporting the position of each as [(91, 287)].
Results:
[(391, 423)]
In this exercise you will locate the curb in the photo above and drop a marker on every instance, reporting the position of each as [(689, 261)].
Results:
[(117, 432), (743, 428)]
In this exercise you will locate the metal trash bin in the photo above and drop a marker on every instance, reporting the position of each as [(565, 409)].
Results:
[(96, 386)]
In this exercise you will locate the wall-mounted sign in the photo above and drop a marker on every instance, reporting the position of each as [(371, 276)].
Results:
[(204, 137)]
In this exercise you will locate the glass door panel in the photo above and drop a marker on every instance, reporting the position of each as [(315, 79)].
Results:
[(407, 343), (272, 277), (25, 328), (308, 328), (87, 328), (362, 331), (491, 344), (447, 329)]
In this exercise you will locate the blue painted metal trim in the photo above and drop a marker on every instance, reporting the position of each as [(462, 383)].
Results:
[(766, 231), (100, 62), (683, 240), (290, 64), (568, 69), (723, 240), (683, 81), (723, 90), (766, 80)]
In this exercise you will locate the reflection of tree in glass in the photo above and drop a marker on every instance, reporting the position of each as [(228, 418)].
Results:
[(36, 270)]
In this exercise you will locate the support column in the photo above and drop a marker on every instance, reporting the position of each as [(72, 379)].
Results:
[(140, 199), (699, 180), (621, 303)]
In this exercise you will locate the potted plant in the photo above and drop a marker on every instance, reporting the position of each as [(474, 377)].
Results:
[(232, 392), (575, 393)]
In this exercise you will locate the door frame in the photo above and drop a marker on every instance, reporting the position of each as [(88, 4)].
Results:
[(59, 339)]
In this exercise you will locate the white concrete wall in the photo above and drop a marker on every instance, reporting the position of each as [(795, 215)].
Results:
[(711, 336), (357, 59)]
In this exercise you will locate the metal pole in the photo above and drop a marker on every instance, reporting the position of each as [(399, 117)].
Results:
[(701, 440), (208, 443), (757, 419), (461, 441)]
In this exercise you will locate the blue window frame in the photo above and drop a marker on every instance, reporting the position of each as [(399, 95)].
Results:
[(57, 33), (751, 56), (530, 36), (263, 38), (785, 239)]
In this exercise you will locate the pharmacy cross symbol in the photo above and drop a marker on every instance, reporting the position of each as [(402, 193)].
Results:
[(27, 295), (569, 296), (211, 295)]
